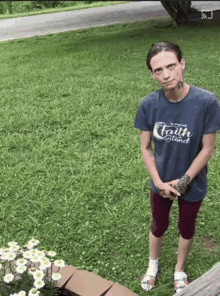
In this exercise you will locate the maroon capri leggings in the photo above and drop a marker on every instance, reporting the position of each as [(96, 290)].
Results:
[(160, 208)]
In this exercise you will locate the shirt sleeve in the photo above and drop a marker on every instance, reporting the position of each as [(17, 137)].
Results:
[(212, 117), (141, 119)]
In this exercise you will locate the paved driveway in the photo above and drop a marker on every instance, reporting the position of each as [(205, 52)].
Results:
[(101, 16)]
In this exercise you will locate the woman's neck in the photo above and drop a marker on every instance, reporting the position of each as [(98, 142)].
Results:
[(178, 93)]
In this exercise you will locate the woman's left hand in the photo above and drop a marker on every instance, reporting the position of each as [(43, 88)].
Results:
[(180, 185), (183, 183), (174, 185)]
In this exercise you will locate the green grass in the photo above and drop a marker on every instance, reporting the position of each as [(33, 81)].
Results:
[(72, 174), (62, 9)]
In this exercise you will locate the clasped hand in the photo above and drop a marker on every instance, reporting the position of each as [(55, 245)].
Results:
[(172, 188)]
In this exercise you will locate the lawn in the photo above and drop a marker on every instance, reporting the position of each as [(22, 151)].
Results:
[(72, 173)]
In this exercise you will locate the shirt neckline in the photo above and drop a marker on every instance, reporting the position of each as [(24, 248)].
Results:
[(180, 100)]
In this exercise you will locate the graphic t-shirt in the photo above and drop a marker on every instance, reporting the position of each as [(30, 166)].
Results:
[(177, 129)]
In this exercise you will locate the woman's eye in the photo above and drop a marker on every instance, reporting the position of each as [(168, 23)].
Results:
[(160, 70), (169, 66)]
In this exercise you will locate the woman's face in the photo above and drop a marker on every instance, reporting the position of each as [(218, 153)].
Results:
[(166, 68)]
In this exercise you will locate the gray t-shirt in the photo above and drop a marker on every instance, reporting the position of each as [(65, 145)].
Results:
[(177, 129)]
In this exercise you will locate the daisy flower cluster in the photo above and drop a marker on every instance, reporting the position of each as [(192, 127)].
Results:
[(25, 265)]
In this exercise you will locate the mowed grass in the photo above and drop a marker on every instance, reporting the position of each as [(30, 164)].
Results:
[(72, 173)]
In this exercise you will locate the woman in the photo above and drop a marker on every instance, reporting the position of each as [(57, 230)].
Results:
[(182, 120)]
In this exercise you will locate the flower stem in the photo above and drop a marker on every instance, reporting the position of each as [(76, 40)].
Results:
[(51, 271)]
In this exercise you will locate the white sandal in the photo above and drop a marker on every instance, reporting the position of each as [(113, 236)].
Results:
[(148, 282), (180, 281)]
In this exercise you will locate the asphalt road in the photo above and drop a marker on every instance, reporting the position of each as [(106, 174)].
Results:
[(30, 26)]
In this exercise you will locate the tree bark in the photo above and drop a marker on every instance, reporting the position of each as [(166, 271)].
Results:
[(9, 7), (178, 10)]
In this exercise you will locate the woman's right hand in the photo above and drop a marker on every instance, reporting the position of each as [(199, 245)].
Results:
[(167, 191)]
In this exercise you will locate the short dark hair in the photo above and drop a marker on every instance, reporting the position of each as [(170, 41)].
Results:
[(163, 46)]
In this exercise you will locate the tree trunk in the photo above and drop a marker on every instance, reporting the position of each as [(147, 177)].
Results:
[(178, 10), (9, 7)]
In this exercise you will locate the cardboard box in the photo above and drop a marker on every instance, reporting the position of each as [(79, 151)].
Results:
[(84, 283), (66, 273), (119, 290)]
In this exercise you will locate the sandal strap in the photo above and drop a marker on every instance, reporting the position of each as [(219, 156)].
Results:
[(180, 284), (181, 287), (150, 276), (148, 281), (145, 283)]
